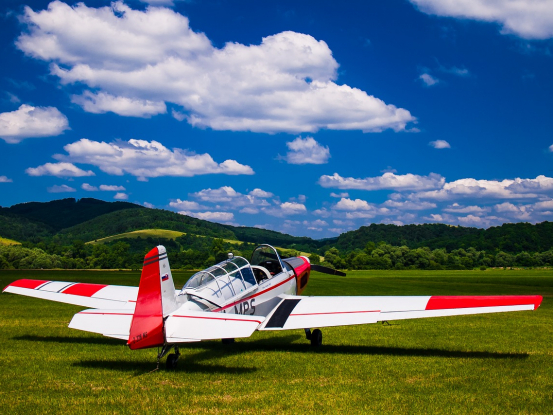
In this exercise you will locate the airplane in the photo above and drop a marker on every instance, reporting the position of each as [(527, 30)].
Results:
[(236, 297)]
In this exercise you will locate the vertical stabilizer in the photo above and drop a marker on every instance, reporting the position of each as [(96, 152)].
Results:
[(168, 294), (147, 322)]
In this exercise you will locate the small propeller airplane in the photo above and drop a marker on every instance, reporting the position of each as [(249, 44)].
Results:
[(235, 298)]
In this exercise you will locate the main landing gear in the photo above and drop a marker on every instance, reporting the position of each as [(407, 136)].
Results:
[(172, 359), (316, 337)]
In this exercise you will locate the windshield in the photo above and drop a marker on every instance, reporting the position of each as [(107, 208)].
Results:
[(236, 271), (266, 256)]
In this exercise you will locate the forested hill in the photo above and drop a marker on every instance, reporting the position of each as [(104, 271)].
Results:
[(63, 213), (510, 237)]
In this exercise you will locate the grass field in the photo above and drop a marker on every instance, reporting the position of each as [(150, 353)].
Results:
[(483, 364), (149, 233)]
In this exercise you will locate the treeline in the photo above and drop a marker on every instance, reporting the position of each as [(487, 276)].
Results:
[(185, 252), (190, 252), (386, 256)]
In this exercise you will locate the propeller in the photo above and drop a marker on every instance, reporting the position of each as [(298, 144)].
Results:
[(326, 270)]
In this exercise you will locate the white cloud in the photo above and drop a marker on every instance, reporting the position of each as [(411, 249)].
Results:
[(111, 188), (4, 179), (29, 121), (409, 205), (439, 144), (58, 169), (493, 189), (186, 205), (249, 210), (60, 189), (287, 83), (529, 19), (386, 181), (428, 79), (353, 205), (260, 193), (456, 208), (149, 205), (339, 195), (306, 151), (121, 196), (286, 209), (211, 216), (89, 188), (147, 159), (102, 102), (103, 187)]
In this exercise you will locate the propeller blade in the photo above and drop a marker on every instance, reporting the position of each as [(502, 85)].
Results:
[(326, 270)]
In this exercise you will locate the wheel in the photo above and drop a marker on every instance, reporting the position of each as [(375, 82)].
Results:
[(227, 341), (316, 338), (171, 363)]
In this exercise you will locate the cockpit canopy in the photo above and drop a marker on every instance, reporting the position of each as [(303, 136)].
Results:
[(267, 257), (236, 268)]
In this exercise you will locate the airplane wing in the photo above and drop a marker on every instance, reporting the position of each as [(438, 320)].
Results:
[(296, 312), (83, 294)]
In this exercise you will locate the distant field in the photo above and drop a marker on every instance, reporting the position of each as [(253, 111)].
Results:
[(484, 364), (149, 233), (6, 241)]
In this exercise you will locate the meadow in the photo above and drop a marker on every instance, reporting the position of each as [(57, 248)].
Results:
[(494, 363)]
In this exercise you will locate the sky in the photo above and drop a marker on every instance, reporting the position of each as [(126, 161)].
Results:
[(310, 118)]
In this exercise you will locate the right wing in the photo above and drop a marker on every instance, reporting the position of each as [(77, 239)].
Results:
[(83, 294), (296, 312)]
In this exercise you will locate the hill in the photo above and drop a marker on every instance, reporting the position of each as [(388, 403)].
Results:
[(64, 213)]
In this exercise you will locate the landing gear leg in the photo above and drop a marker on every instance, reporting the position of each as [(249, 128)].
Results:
[(172, 359), (316, 338), (308, 334)]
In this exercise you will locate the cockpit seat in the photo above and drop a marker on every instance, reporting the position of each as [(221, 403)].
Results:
[(261, 273)]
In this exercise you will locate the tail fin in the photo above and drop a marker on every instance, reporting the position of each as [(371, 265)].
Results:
[(156, 299)]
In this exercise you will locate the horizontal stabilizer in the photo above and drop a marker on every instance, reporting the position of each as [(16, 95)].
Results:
[(204, 325), (83, 294), (111, 323)]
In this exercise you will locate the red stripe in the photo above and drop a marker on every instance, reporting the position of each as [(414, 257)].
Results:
[(448, 302), (83, 289), (220, 318), (254, 295), (31, 284), (337, 312)]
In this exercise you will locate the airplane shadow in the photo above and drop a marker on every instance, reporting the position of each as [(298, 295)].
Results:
[(285, 344), (186, 363), (72, 340)]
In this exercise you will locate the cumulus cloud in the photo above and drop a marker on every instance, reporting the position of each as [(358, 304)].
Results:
[(121, 196), (428, 80), (4, 179), (102, 102), (339, 195), (62, 169), (386, 181), (439, 144), (60, 189), (285, 209), (29, 121), (409, 205), (260, 193), (103, 187), (186, 205), (506, 189), (149, 205), (287, 83), (306, 151), (146, 159), (457, 208), (222, 217), (527, 19)]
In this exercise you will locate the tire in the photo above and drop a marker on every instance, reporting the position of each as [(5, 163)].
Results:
[(227, 341), (316, 338), (171, 363)]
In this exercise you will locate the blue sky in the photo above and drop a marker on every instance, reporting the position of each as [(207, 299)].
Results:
[(309, 118)]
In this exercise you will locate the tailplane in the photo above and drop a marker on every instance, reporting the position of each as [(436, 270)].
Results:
[(156, 299)]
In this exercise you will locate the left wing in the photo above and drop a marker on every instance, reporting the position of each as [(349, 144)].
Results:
[(296, 312), (83, 294)]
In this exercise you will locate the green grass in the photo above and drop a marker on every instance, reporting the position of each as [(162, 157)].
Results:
[(149, 233), (483, 364), (6, 241)]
